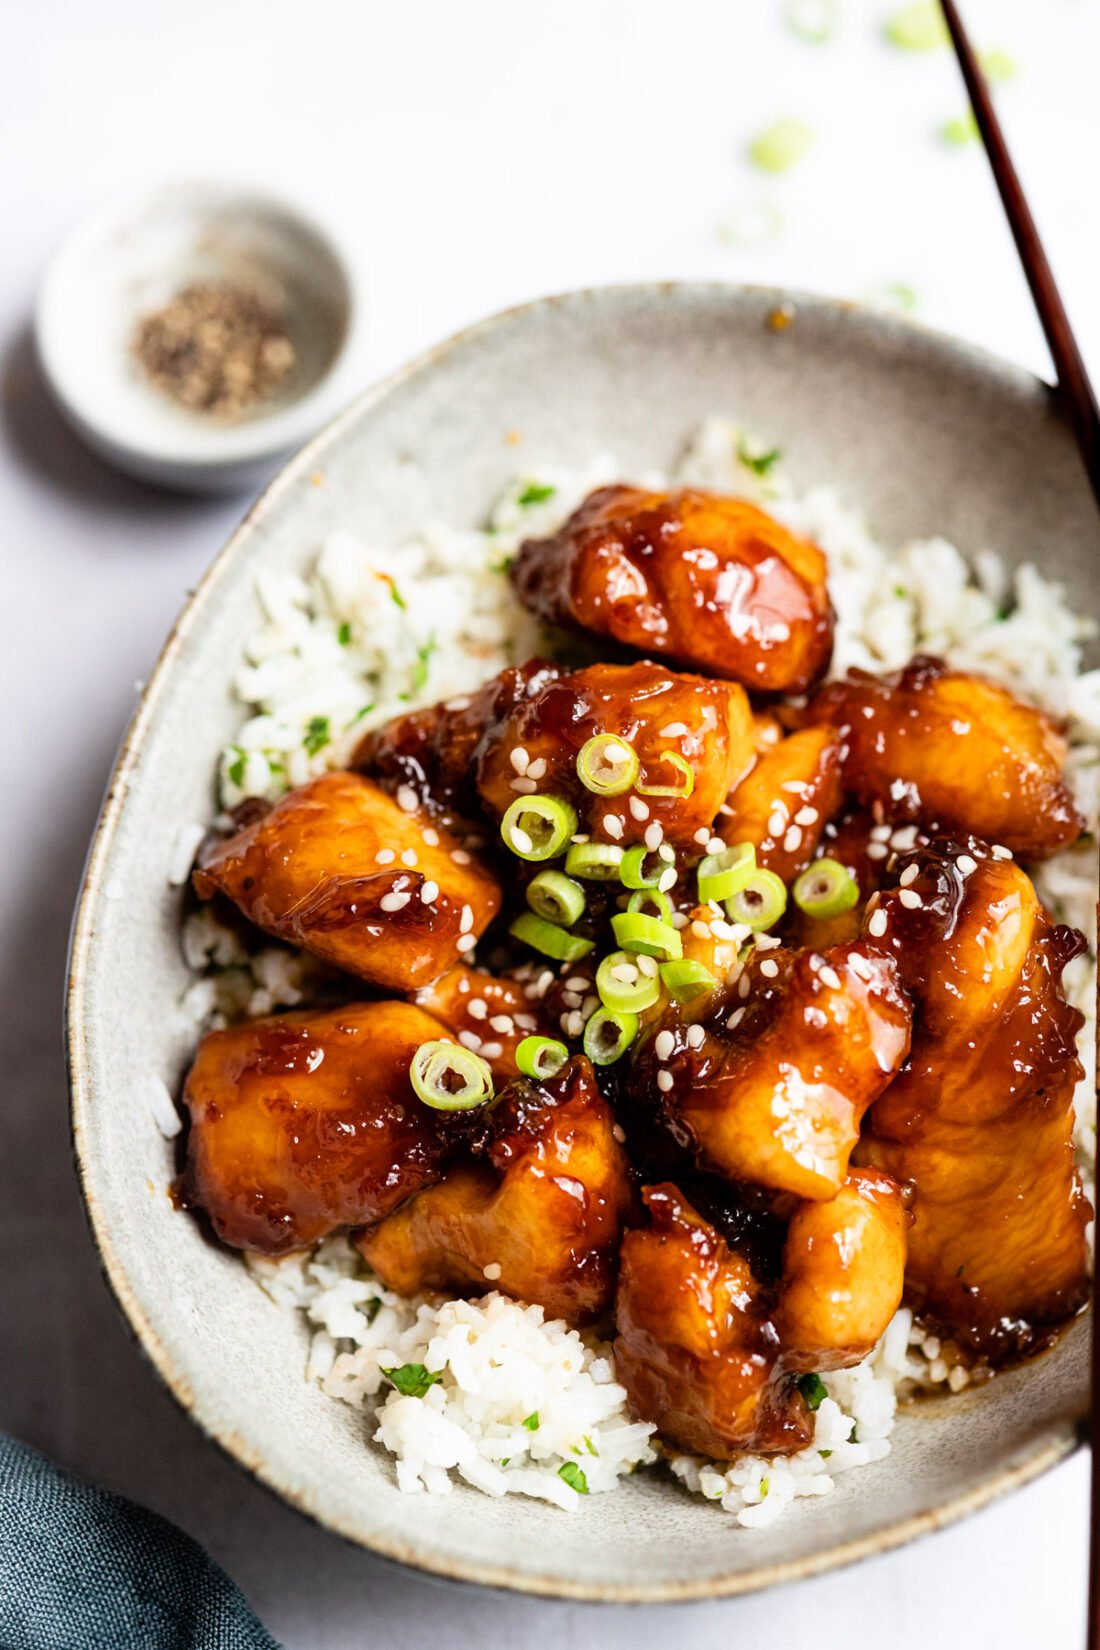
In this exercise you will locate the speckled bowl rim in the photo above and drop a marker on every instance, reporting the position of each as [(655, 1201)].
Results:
[(1011, 381)]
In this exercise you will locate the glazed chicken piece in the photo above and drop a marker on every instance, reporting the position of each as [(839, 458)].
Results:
[(785, 801), (536, 1214), (713, 583), (980, 1121), (772, 1084), (488, 1013), (437, 751), (338, 868), (954, 753), (694, 1346), (843, 1273), (711, 1355), (705, 725), (307, 1122)]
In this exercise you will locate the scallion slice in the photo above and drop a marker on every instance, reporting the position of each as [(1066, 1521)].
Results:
[(538, 827), (548, 938), (825, 889), (448, 1077), (685, 979), (760, 902), (541, 1057), (607, 765), (723, 874), (624, 987), (648, 935), (556, 897), (683, 768), (644, 867), (608, 1035), (594, 861), (646, 897)]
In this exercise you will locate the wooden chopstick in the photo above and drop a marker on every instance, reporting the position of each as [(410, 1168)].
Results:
[(1079, 400)]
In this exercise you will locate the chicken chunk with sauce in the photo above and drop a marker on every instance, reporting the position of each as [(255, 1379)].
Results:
[(488, 1013), (785, 801), (712, 583), (339, 868)]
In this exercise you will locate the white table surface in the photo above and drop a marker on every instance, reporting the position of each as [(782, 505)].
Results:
[(480, 152)]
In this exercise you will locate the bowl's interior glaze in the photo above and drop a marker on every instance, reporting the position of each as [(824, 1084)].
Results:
[(932, 438)]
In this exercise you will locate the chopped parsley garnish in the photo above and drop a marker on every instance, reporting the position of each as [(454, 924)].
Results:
[(419, 677), (759, 463), (824, 1453), (396, 596), (504, 565), (590, 1446), (365, 710), (343, 635), (412, 1380), (317, 735), (535, 493), (900, 592), (372, 1308), (571, 1474), (236, 768), (813, 1389), (532, 1421), (778, 148)]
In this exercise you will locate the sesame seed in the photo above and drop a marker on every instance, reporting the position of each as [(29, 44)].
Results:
[(613, 825), (829, 976), (618, 1133), (431, 837), (881, 833), (503, 1024), (793, 839), (460, 856), (673, 730), (589, 1006), (910, 899), (407, 799), (646, 965), (797, 787), (520, 840), (385, 856), (394, 902), (577, 982), (910, 874), (573, 1023), (715, 845), (525, 1022), (465, 942), (764, 942), (966, 864), (876, 927), (525, 787), (663, 1044), (654, 836), (999, 851), (461, 703), (696, 1036), (477, 1008), (466, 920), (638, 808), (735, 1019), (904, 839), (701, 930), (680, 919), (859, 965), (519, 759), (470, 1040), (958, 1378), (664, 1081), (777, 821), (702, 836), (726, 811), (806, 816), (877, 850), (937, 1370), (769, 968), (724, 931), (492, 1051), (429, 891), (493, 1270), (537, 768), (666, 880), (409, 857), (544, 982), (572, 999)]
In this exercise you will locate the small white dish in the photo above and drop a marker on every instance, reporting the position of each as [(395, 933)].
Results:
[(131, 258)]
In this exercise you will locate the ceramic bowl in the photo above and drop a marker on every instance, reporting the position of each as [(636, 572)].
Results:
[(134, 256), (933, 437)]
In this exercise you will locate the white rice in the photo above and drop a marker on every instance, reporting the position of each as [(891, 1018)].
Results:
[(337, 642)]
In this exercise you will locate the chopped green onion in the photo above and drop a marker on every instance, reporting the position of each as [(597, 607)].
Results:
[(649, 935), (623, 985), (448, 1077), (595, 861), (535, 493), (412, 1380), (531, 1422), (725, 873), (317, 735), (541, 1057), (538, 827), (758, 460), (997, 66), (607, 765), (343, 635), (760, 902), (574, 1477), (686, 979), (960, 131), (813, 1389), (556, 897), (636, 872), (918, 28), (825, 889), (548, 938), (687, 779), (778, 148), (608, 1035), (651, 897)]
